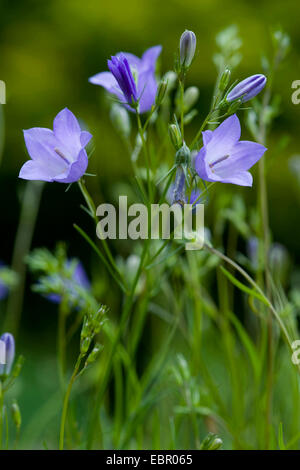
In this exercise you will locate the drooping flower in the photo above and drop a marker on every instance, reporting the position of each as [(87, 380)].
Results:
[(78, 280), (3, 286), (57, 155), (178, 193), (248, 88), (8, 340), (131, 79), (224, 158), (187, 48)]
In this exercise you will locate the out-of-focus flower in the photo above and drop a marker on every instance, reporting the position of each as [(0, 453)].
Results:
[(187, 48), (131, 79), (226, 159), (70, 285), (248, 88), (279, 262), (57, 155), (252, 251), (3, 286), (120, 119), (294, 166), (8, 340)]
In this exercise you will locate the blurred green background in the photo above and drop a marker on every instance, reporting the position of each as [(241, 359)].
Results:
[(48, 50)]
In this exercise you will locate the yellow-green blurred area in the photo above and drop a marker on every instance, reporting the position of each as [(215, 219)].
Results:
[(49, 49)]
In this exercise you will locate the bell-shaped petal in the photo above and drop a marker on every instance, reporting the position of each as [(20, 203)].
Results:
[(57, 155), (225, 159)]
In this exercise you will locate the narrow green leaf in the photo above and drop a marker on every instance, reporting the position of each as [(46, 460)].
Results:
[(242, 287)]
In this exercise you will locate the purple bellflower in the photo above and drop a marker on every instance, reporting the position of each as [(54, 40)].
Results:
[(131, 79), (57, 155), (224, 158), (9, 342), (79, 280), (248, 88), (178, 194)]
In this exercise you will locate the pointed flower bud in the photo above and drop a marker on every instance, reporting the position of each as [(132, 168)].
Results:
[(187, 48), (234, 107), (16, 414), (17, 367), (94, 354), (183, 155), (175, 136), (9, 343), (85, 344), (216, 444), (224, 81), (211, 442), (161, 91), (247, 89)]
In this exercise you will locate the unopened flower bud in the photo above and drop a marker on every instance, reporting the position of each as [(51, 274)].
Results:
[(120, 119), (84, 345), (16, 414), (94, 354), (86, 329), (175, 136), (248, 88), (171, 79), (17, 367), (161, 91), (9, 353), (187, 48), (190, 97), (234, 107), (211, 442), (224, 81), (215, 444), (183, 155)]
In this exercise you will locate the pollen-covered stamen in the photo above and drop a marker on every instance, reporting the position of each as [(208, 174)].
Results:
[(219, 160), (56, 150)]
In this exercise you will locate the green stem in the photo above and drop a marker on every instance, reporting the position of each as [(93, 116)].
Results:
[(29, 211), (92, 209), (61, 344), (104, 381), (142, 136), (66, 403), (197, 137), (181, 85), (1, 413), (213, 109), (265, 236)]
